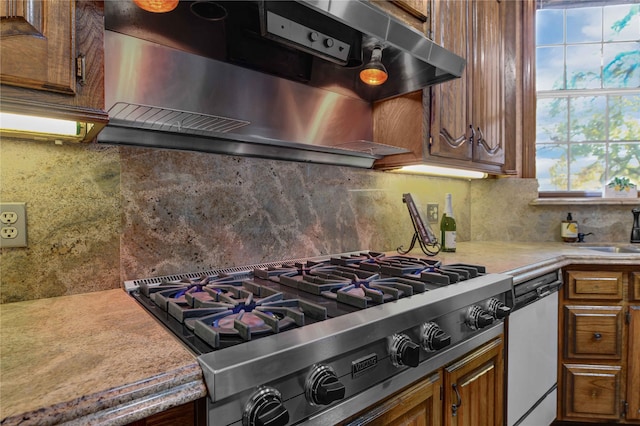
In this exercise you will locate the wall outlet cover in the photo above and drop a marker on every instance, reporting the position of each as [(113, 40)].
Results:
[(13, 225), (432, 213)]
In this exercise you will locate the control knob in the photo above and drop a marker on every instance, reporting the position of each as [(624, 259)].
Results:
[(313, 36), (403, 351), (265, 408), (433, 337), (496, 308), (322, 386), (477, 318)]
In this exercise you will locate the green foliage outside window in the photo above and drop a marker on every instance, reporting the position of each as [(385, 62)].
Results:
[(588, 110)]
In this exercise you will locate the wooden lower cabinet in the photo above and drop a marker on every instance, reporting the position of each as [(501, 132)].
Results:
[(419, 404), (633, 370), (474, 388), (594, 331), (599, 345), (189, 414), (478, 378), (592, 391)]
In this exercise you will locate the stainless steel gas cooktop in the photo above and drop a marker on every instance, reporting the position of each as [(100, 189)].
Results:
[(304, 340)]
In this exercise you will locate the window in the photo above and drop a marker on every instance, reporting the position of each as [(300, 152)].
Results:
[(588, 96)]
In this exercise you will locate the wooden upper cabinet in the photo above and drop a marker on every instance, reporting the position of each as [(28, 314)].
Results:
[(487, 88), (400, 122), (40, 38), (411, 12), (468, 114), (471, 122), (43, 45), (450, 131)]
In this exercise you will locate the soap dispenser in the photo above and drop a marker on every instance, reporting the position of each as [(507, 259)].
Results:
[(635, 230), (569, 230)]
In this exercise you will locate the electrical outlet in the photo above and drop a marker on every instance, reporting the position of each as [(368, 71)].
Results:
[(13, 225), (9, 232), (432, 213), (8, 218)]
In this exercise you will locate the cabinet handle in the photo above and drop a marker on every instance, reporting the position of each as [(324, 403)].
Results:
[(454, 407), (597, 336), (473, 135), (81, 69), (482, 142)]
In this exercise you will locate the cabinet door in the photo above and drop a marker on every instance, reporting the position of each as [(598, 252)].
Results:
[(420, 404), (592, 391), (593, 332), (487, 82), (473, 388), (633, 365), (38, 44), (450, 118)]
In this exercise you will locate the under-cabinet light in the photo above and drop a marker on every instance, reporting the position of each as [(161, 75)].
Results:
[(32, 124), (442, 171)]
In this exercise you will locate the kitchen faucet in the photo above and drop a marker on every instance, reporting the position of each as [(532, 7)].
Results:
[(635, 230), (582, 235)]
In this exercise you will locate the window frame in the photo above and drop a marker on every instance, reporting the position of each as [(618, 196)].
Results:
[(529, 164)]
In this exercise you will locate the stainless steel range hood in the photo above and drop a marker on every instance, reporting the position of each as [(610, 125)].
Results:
[(269, 79)]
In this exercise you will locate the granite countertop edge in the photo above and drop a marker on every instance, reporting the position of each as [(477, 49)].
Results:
[(527, 272), (122, 405)]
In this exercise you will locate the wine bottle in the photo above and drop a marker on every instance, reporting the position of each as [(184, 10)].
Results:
[(448, 227)]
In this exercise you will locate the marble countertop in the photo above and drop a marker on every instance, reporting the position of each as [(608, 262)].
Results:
[(99, 358)]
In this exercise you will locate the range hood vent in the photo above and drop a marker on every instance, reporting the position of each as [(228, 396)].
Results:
[(171, 120), (254, 81)]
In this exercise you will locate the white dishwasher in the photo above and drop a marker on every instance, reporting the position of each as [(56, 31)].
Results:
[(532, 352)]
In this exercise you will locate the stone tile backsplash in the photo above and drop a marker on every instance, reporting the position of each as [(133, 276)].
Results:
[(501, 211), (187, 212)]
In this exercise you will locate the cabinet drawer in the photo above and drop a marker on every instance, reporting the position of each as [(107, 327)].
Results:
[(592, 391), (593, 332), (594, 285)]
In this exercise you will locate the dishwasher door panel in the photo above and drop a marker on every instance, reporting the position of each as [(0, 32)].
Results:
[(533, 359), (544, 414)]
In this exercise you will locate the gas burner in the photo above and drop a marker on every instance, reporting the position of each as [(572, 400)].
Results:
[(214, 298), (287, 268), (355, 259), (251, 319), (167, 290), (346, 284)]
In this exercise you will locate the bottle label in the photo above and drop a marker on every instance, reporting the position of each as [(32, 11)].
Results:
[(450, 240), (569, 230)]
